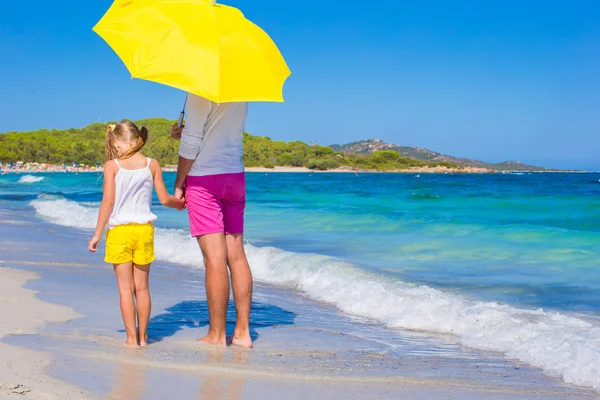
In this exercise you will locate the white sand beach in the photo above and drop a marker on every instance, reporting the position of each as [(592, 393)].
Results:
[(22, 371)]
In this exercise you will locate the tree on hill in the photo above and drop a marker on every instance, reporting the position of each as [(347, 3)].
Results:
[(86, 146)]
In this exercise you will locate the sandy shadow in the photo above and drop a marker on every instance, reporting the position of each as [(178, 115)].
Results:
[(194, 314)]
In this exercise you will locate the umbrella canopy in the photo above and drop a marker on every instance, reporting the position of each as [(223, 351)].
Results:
[(198, 46)]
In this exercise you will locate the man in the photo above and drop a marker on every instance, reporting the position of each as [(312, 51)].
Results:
[(212, 172)]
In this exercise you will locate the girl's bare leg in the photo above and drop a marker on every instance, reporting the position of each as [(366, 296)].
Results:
[(143, 301), (124, 273)]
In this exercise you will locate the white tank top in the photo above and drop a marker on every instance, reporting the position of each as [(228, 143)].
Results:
[(133, 196)]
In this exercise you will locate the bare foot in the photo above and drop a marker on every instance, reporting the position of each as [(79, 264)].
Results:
[(131, 343), (245, 342), (143, 343), (212, 342)]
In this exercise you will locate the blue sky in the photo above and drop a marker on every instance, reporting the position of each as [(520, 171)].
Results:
[(492, 80)]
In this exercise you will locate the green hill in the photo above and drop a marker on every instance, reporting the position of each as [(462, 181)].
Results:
[(86, 146)]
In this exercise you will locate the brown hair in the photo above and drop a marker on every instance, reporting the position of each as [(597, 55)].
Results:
[(125, 131)]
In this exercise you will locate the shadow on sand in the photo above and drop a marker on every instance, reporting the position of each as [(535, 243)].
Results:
[(194, 314)]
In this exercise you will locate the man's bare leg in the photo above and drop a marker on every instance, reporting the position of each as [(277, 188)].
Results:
[(214, 250), (241, 280)]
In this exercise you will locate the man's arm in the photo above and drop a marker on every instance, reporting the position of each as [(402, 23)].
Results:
[(183, 166), (192, 133), (183, 169)]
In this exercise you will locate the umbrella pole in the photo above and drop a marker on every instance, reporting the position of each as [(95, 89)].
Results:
[(182, 115)]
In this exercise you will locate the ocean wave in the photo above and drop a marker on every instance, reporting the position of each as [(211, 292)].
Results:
[(64, 212), (560, 344), (31, 179), (18, 197)]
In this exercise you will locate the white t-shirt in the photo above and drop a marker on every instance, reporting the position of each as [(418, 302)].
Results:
[(213, 136)]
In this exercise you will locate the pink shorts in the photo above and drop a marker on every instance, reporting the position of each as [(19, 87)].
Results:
[(216, 203)]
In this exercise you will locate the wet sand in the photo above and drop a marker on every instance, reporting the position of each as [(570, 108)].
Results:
[(22, 370), (303, 349)]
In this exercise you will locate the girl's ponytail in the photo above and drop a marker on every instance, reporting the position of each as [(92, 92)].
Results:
[(110, 153), (138, 137), (125, 131), (144, 134)]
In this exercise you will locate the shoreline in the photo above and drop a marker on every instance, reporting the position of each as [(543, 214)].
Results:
[(343, 170), (351, 170), (418, 170), (23, 371), (294, 349)]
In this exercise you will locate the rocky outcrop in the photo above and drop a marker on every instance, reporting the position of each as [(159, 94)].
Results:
[(420, 153)]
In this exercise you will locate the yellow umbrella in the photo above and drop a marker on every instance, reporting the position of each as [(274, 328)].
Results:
[(198, 46)]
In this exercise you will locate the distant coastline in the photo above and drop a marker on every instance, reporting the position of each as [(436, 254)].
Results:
[(77, 148), (48, 168), (424, 170), (421, 170)]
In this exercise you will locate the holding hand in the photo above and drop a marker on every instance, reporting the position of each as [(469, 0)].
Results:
[(178, 204), (179, 192), (176, 131)]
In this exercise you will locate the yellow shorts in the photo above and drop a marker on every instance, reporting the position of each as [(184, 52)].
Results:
[(132, 242)]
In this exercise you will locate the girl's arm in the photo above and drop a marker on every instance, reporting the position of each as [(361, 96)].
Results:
[(159, 184), (108, 203)]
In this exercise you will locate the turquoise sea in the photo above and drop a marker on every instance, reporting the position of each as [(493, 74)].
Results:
[(506, 262)]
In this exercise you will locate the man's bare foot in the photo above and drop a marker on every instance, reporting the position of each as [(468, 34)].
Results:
[(245, 341), (241, 337), (213, 342)]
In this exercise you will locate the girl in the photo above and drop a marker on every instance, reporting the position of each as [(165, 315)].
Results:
[(128, 181)]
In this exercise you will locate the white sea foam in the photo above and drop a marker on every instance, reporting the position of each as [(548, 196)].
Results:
[(31, 179), (13, 222), (64, 212), (560, 344)]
